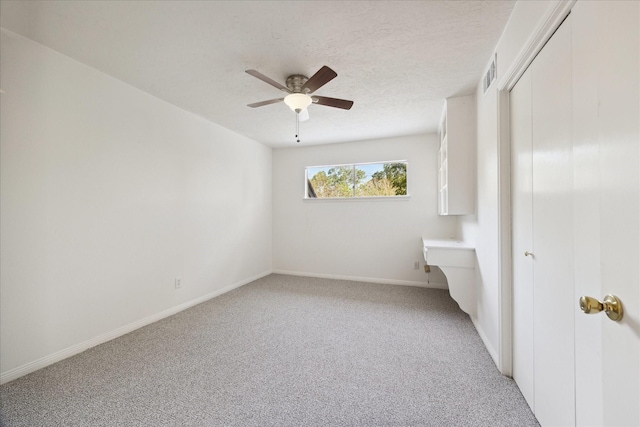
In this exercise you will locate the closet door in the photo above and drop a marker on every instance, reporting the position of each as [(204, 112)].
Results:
[(521, 211), (542, 209), (579, 103), (553, 284)]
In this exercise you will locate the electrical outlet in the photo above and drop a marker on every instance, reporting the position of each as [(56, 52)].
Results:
[(427, 269), (416, 265), (178, 282)]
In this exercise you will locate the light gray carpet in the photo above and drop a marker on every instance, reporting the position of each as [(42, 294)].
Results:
[(282, 351)]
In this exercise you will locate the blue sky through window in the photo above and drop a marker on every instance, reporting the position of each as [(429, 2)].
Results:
[(370, 169)]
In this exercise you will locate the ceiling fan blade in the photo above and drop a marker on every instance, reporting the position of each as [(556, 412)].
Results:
[(333, 102), (319, 79), (260, 104), (266, 79)]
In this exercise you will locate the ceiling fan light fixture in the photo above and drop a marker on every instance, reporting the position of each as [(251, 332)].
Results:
[(298, 101)]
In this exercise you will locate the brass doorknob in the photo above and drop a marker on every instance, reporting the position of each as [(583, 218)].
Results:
[(611, 305)]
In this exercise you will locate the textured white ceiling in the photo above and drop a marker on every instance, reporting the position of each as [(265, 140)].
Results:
[(397, 60)]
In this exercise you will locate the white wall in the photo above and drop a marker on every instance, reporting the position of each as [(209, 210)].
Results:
[(108, 194), (482, 229), (378, 240)]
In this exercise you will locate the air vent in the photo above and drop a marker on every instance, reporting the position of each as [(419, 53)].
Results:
[(490, 75)]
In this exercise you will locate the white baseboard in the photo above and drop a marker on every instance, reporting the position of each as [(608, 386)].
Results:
[(492, 351), (364, 279), (33, 366)]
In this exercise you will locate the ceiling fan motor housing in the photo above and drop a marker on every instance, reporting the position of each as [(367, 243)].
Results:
[(295, 83)]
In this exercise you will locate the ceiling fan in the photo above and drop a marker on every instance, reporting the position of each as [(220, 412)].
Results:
[(300, 88)]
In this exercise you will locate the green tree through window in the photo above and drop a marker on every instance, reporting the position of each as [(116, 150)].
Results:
[(357, 180), (396, 174)]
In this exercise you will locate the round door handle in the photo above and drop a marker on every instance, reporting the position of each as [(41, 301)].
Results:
[(611, 305)]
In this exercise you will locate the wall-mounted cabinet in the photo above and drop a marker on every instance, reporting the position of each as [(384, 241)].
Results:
[(457, 157)]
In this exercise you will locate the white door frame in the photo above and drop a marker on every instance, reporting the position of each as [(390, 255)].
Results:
[(543, 32)]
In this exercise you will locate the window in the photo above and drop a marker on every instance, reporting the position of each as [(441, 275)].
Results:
[(383, 179)]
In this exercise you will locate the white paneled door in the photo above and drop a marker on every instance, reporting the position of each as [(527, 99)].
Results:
[(606, 92), (575, 135)]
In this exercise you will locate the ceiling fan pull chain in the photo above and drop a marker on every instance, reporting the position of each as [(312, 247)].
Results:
[(297, 127)]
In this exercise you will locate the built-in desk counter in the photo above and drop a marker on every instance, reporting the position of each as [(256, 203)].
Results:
[(457, 260)]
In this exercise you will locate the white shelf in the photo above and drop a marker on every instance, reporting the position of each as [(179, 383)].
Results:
[(456, 157)]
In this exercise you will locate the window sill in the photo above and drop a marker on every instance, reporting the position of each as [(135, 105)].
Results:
[(357, 199)]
